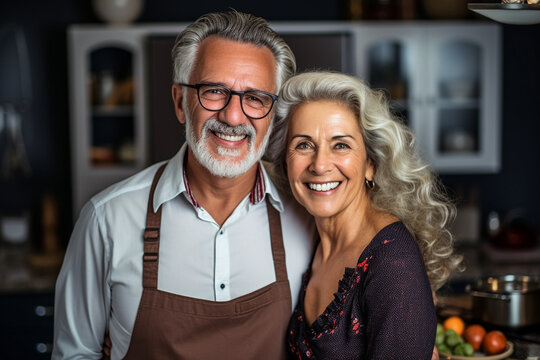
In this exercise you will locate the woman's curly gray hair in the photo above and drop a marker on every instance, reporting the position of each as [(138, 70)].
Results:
[(405, 185)]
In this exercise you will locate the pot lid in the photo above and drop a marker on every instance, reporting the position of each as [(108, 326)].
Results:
[(508, 284)]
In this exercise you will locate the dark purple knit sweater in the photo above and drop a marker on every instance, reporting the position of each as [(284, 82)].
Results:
[(383, 308)]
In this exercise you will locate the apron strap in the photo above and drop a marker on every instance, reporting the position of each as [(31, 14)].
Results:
[(151, 237), (276, 236)]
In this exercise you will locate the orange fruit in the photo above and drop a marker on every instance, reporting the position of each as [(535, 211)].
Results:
[(474, 335), (494, 343), (455, 323)]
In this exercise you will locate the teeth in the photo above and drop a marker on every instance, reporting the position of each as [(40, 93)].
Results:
[(324, 187), (230, 137)]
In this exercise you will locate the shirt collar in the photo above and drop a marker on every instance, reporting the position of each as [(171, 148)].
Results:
[(171, 185)]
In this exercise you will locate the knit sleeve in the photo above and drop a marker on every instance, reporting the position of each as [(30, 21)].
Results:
[(397, 302)]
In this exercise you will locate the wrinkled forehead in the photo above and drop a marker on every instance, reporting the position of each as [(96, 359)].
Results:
[(238, 65)]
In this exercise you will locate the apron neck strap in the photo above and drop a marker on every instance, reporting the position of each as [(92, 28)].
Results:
[(276, 236), (151, 237)]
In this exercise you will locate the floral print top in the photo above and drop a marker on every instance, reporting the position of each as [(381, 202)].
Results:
[(383, 308)]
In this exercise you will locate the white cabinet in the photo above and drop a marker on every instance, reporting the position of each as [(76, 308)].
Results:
[(107, 126), (107, 105), (444, 80)]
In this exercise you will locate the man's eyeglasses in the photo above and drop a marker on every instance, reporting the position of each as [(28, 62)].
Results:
[(255, 104)]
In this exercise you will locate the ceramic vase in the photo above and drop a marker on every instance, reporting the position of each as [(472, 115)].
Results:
[(118, 11)]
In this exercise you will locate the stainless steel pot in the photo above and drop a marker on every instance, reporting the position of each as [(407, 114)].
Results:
[(509, 300)]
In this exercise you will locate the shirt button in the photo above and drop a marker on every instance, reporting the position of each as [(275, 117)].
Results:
[(221, 232), (222, 286)]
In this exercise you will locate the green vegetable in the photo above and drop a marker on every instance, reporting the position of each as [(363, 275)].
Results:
[(439, 338), (463, 349), (468, 349), (452, 340), (458, 350), (440, 328), (444, 349)]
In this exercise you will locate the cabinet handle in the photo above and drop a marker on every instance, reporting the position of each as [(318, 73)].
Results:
[(43, 348), (44, 311)]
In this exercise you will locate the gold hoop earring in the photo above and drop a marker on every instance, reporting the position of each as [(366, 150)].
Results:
[(370, 184)]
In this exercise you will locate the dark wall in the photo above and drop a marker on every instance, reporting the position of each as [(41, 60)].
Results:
[(46, 126), (45, 118)]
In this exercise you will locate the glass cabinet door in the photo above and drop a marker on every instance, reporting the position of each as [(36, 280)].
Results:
[(111, 103), (462, 112), (458, 92), (389, 70)]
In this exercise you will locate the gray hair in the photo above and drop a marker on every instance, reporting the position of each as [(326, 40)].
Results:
[(405, 185), (231, 25)]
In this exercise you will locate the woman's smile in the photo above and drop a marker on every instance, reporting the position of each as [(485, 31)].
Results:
[(326, 158), (323, 187)]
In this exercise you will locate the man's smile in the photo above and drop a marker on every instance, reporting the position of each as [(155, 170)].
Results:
[(229, 137)]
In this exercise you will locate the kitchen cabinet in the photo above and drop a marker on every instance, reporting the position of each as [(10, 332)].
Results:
[(107, 107), (443, 79), (26, 329)]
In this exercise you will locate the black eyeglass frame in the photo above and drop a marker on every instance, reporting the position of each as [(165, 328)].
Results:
[(231, 93)]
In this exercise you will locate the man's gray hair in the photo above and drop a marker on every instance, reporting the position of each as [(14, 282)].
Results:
[(235, 26)]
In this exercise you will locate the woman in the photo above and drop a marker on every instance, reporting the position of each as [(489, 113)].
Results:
[(382, 221)]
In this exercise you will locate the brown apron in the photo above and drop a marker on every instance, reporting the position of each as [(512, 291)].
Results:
[(171, 326)]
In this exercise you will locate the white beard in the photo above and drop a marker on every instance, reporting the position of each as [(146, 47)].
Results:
[(229, 166)]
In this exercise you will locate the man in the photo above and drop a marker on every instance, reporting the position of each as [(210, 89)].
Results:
[(218, 271)]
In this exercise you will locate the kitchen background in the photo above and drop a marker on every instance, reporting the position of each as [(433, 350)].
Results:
[(40, 192)]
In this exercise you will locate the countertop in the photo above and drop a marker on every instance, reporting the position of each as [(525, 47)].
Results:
[(22, 271)]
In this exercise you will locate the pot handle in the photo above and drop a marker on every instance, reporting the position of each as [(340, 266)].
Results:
[(502, 297)]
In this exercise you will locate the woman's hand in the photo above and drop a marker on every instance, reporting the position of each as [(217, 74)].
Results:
[(435, 355)]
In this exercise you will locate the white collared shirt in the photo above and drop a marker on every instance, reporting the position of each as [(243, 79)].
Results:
[(100, 284)]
